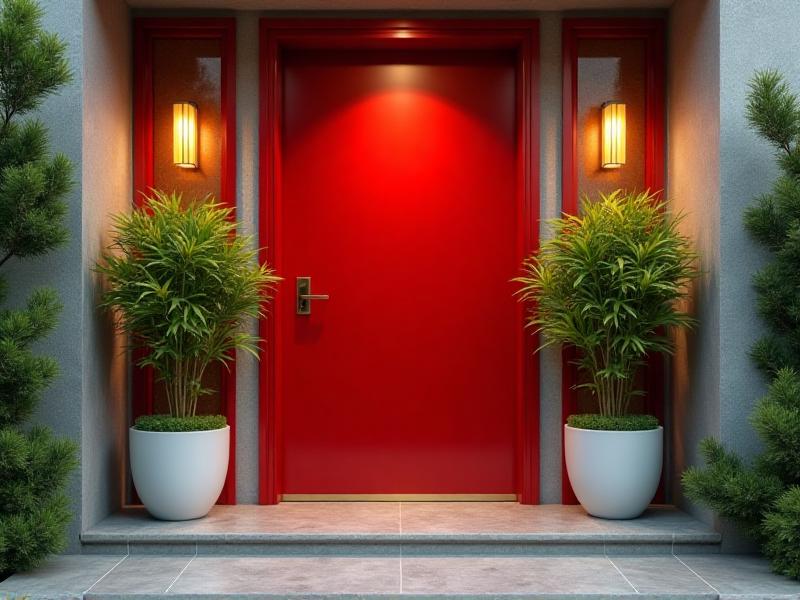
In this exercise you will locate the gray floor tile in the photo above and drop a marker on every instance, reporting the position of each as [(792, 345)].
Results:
[(60, 577), (141, 575), (660, 574), (529, 575), (284, 518), (290, 576), (735, 574), (496, 517), (544, 522), (306, 517), (657, 519), (554, 521)]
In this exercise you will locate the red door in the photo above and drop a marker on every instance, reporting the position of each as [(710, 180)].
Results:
[(398, 198)]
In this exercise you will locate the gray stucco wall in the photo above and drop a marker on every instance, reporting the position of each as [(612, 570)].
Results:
[(717, 165), (693, 188), (756, 34), (62, 269), (247, 93), (550, 429), (107, 189), (89, 120)]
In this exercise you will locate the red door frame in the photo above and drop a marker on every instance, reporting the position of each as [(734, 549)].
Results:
[(278, 34), (145, 31), (652, 32)]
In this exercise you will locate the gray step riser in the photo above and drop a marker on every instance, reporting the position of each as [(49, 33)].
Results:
[(538, 596), (366, 549)]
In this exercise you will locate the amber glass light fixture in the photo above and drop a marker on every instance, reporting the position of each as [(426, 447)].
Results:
[(613, 152), (184, 140)]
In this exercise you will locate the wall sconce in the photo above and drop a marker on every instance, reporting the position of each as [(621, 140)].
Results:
[(184, 135), (613, 116)]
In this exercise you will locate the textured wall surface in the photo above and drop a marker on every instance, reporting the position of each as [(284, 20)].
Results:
[(550, 429), (693, 188), (754, 35), (106, 177), (247, 212), (62, 269), (89, 120), (717, 165)]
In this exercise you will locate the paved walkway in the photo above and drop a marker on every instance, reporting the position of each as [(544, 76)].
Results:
[(365, 551), (562, 577)]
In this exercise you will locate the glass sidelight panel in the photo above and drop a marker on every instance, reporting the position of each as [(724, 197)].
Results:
[(610, 70), (189, 70)]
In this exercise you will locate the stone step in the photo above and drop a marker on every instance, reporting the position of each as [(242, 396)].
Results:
[(407, 529), (663, 577)]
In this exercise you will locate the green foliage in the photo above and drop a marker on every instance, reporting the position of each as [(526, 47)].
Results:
[(782, 533), (34, 465), (23, 375), (774, 220), (33, 65), (613, 423), (34, 510), (174, 424), (607, 283), (730, 488), (763, 497), (183, 284)]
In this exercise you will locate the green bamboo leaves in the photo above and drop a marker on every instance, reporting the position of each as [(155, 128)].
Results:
[(182, 284), (608, 283)]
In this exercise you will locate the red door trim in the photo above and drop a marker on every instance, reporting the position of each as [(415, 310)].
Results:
[(276, 34), (652, 32), (145, 31)]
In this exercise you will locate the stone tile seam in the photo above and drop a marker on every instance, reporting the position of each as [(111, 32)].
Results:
[(186, 566), (696, 574), (107, 573), (628, 581)]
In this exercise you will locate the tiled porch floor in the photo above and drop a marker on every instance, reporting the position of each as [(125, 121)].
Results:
[(403, 522)]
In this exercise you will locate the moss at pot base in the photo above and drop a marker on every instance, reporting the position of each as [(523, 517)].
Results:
[(167, 423), (606, 423)]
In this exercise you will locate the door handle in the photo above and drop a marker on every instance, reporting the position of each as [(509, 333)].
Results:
[(304, 296)]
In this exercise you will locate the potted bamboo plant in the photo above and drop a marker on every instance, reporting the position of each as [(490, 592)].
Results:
[(181, 284), (608, 284)]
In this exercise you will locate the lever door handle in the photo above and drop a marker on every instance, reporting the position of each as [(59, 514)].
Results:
[(304, 296)]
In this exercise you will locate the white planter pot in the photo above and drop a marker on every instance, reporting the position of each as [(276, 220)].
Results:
[(180, 475), (614, 474)]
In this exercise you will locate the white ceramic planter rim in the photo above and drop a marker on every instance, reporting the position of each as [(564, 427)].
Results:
[(615, 431), (195, 432)]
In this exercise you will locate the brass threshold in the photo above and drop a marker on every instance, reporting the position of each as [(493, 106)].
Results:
[(399, 498)]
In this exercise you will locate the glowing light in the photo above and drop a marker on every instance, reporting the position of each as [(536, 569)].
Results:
[(613, 117), (184, 137)]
